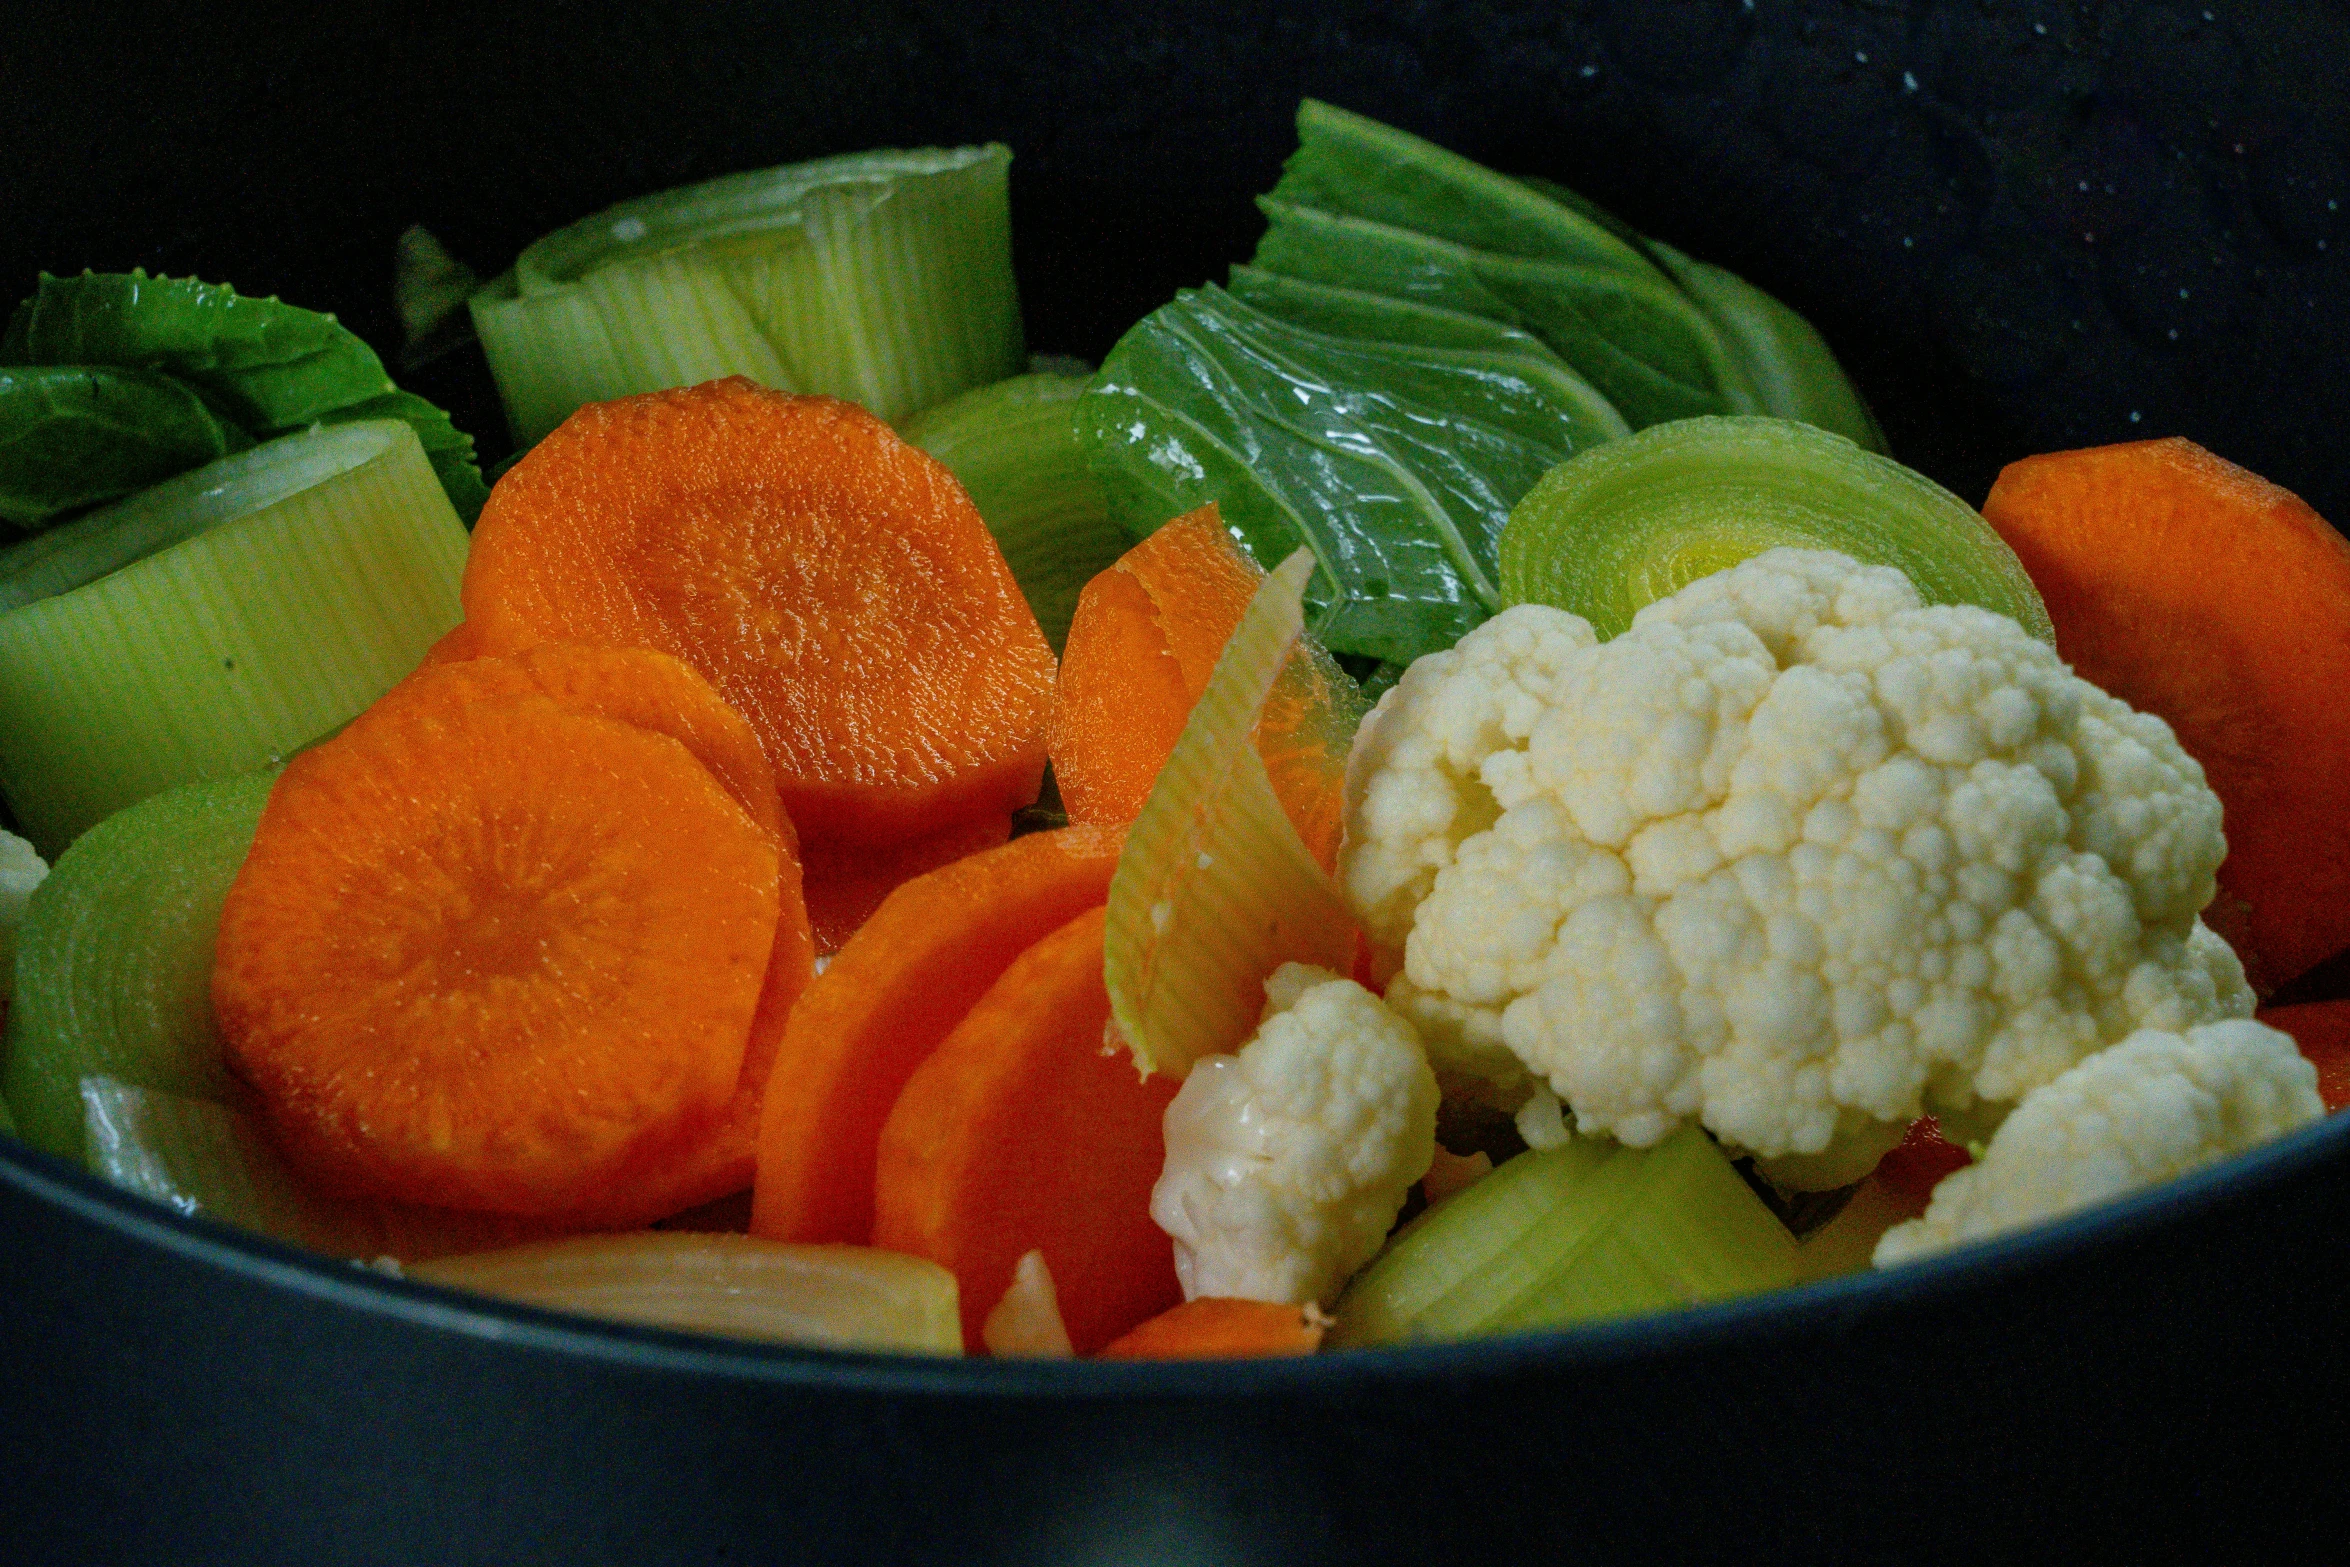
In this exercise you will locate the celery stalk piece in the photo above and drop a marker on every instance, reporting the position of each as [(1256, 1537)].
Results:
[(1623, 525), (1585, 1231), (114, 962), (1216, 889), (737, 1286), (204, 1157), (883, 277), (219, 620), (1016, 447)]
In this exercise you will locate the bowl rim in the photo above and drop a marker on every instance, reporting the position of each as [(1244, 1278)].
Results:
[(1771, 1317)]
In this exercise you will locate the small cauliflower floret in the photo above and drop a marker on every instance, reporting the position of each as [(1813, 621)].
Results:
[(2150, 1108), (1288, 1162), (1796, 856)]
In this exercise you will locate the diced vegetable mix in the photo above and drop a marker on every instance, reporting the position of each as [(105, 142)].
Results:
[(521, 941)]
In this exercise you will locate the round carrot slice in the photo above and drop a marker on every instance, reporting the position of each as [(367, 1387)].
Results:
[(495, 955), (2206, 595), (834, 583)]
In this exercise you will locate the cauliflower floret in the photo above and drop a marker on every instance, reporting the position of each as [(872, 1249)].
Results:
[(1793, 856), (1288, 1162), (2141, 1112)]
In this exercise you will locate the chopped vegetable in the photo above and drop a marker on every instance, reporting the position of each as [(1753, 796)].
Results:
[(1795, 857), (1918, 1162), (1589, 1230), (497, 955), (1215, 1329), (1288, 1161), (116, 381), (834, 583), (22, 870), (848, 882), (1027, 1321), (114, 961), (884, 278), (1216, 889), (2221, 604), (1020, 1133), (1017, 449), (658, 693), (837, 1297), (2322, 1030), (902, 983), (1624, 525), (218, 621)]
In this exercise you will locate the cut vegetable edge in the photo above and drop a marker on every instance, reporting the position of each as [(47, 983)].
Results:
[(1620, 526), (268, 599)]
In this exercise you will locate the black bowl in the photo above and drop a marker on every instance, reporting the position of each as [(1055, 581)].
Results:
[(2025, 226)]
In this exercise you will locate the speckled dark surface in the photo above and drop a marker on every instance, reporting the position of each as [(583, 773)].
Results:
[(2025, 225)]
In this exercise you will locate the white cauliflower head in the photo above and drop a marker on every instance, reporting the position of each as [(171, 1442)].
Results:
[(2150, 1108), (1793, 856), (1287, 1163)]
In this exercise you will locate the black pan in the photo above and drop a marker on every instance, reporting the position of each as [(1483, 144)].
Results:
[(2024, 225)]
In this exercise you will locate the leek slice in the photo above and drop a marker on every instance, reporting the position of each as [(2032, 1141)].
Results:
[(1216, 889), (114, 962), (1588, 1230), (218, 620), (1016, 447), (200, 1157), (1623, 525), (882, 277), (737, 1286)]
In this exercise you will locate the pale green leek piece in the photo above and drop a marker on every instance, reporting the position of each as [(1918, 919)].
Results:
[(881, 277), (218, 621), (1619, 526), (1585, 1231)]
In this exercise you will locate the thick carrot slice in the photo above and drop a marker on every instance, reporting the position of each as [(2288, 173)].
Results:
[(1020, 1132), (458, 643), (846, 882), (496, 955), (1145, 638), (1214, 1327), (834, 583), (900, 985), (660, 693), (2197, 591), (2322, 1030)]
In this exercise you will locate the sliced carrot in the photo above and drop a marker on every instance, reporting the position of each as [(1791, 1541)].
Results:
[(458, 643), (846, 882), (1213, 1327), (1145, 638), (2322, 1030), (495, 955), (1022, 1132), (901, 984), (2200, 592), (834, 583), (657, 692)]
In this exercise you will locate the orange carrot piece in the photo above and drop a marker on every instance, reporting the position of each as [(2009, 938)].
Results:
[(2197, 591), (846, 882), (1021, 1132), (662, 694), (1144, 640), (1214, 1327), (459, 643), (495, 955), (901, 984), (2322, 1030), (834, 583)]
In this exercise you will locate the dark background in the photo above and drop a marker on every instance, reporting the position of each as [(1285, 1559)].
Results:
[(2024, 225)]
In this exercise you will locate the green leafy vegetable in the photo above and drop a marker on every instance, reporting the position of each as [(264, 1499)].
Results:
[(258, 366), (1395, 462)]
